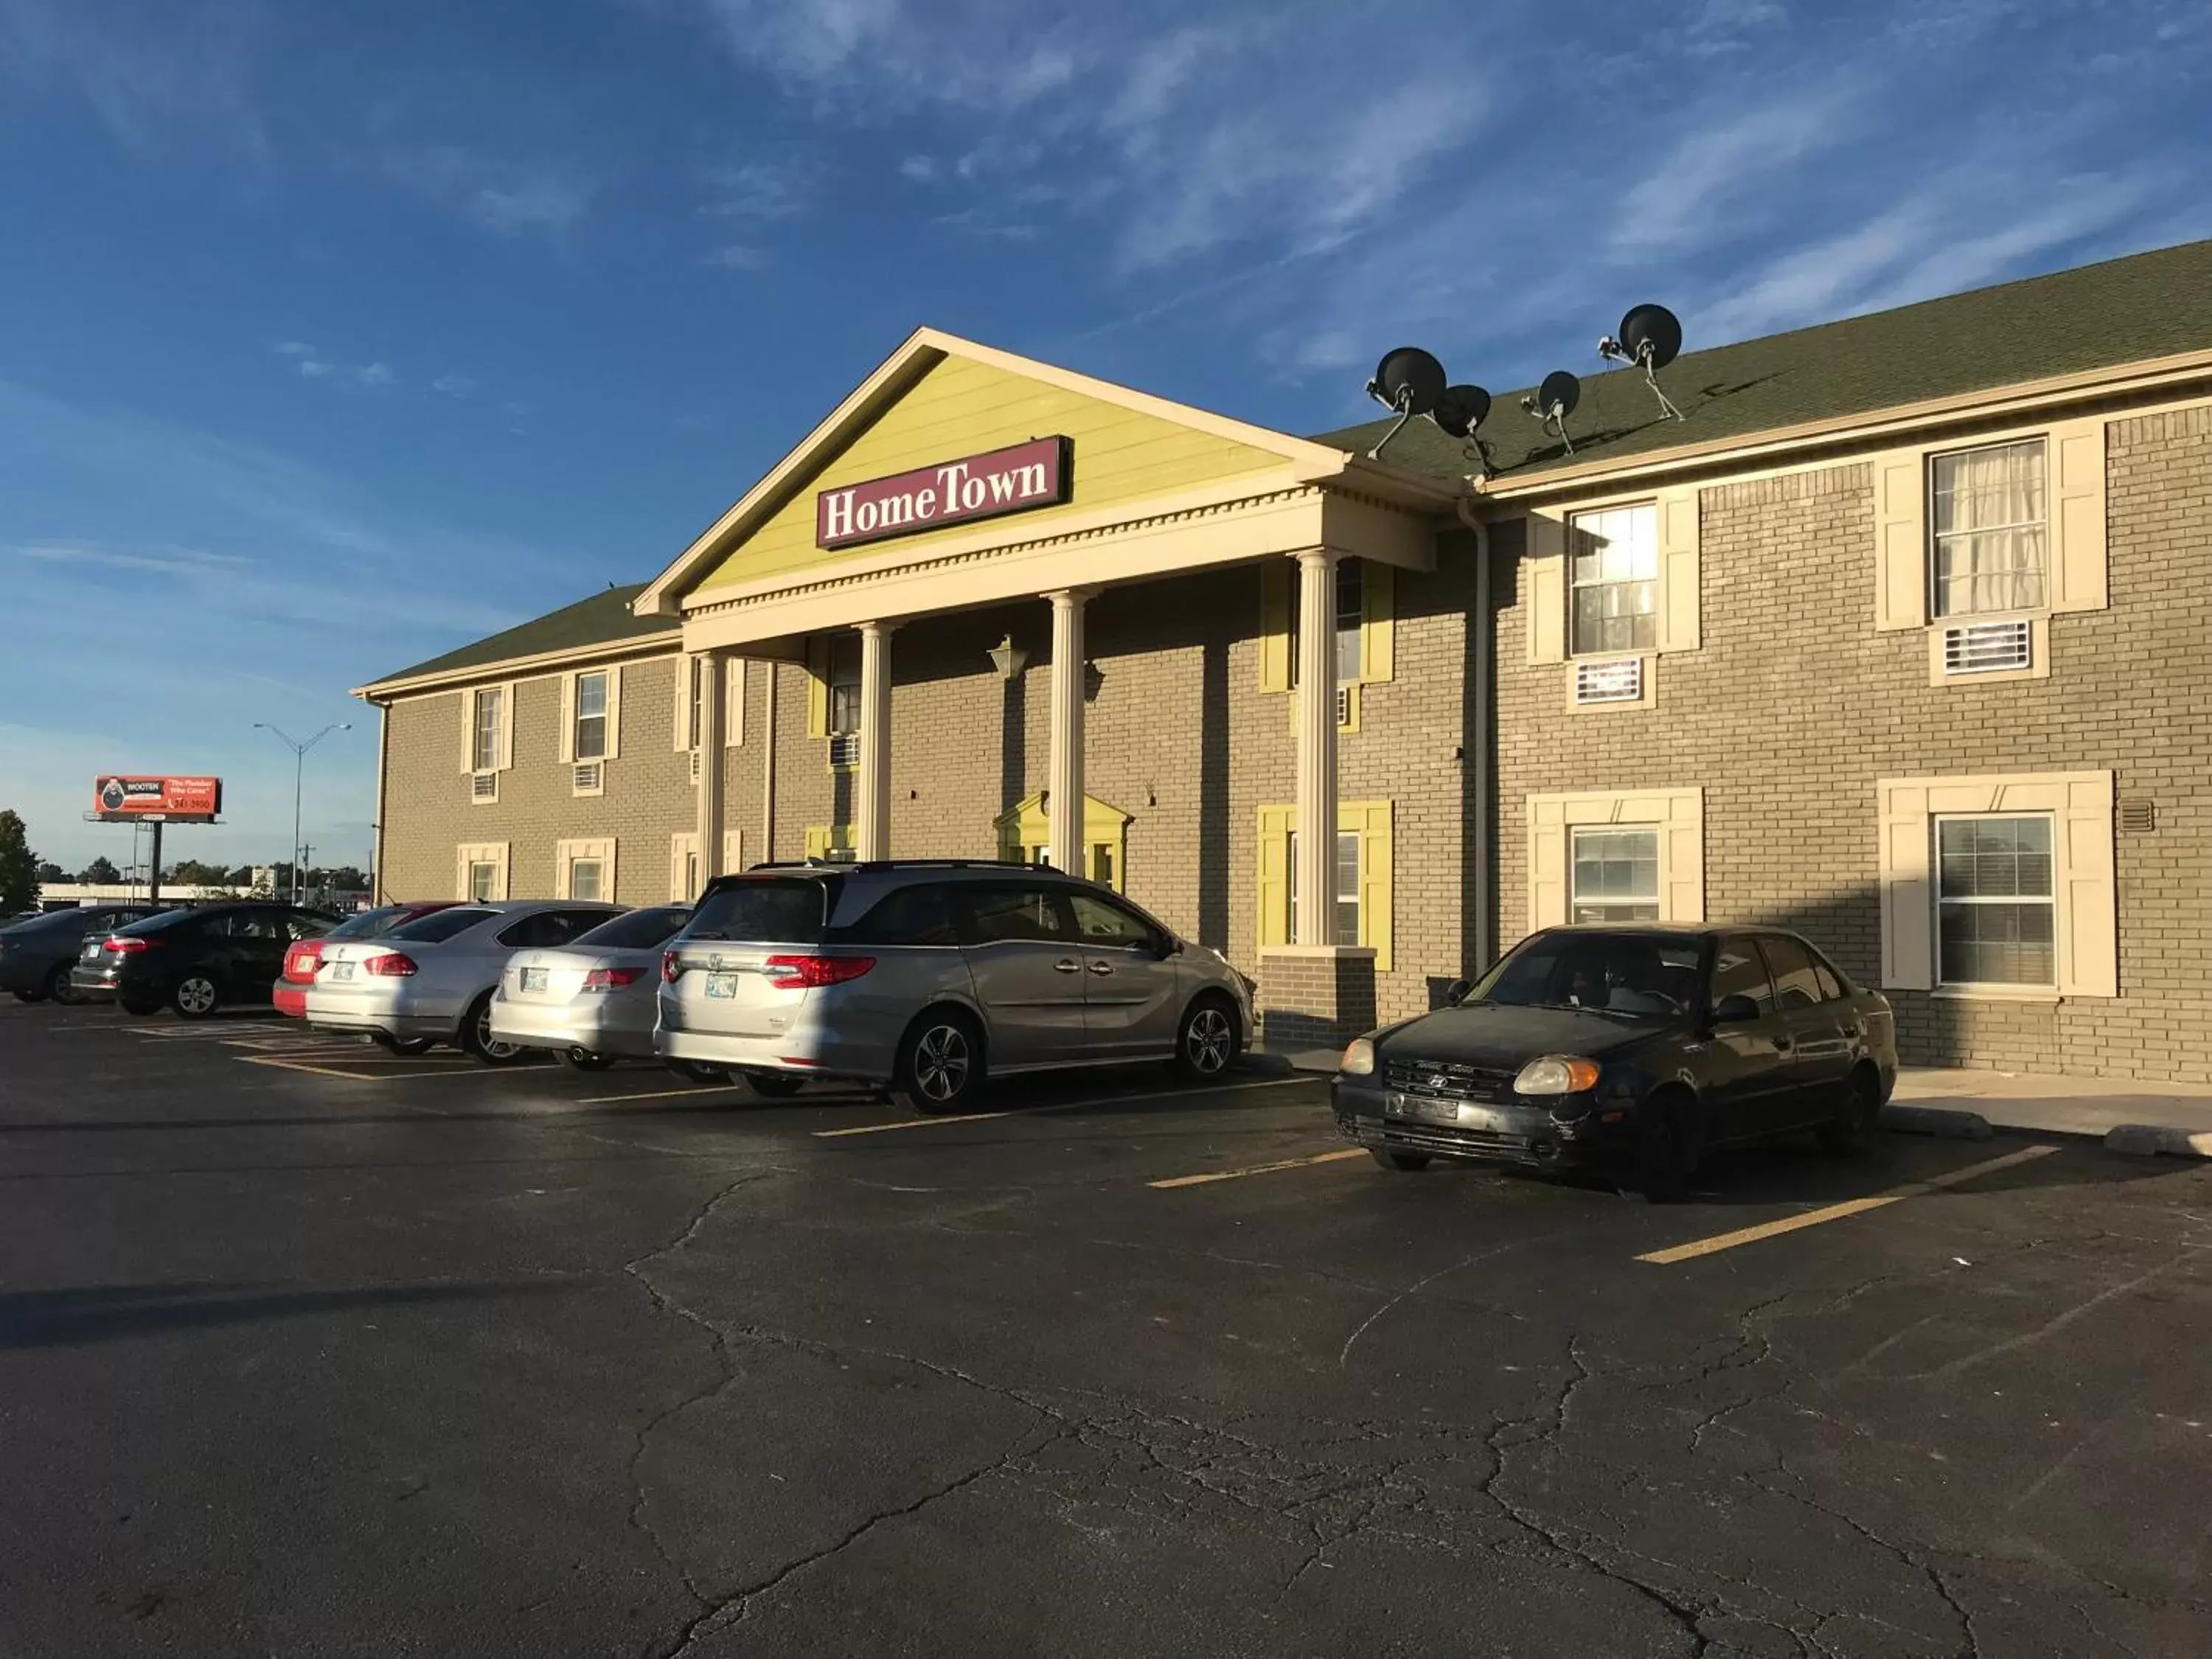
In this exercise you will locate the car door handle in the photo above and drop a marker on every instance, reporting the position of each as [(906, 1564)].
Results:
[(1067, 967), (1781, 1045), (1102, 967)]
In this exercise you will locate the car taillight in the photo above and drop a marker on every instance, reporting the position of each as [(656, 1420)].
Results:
[(670, 967), (390, 965), (610, 979), (130, 945), (301, 961), (807, 973)]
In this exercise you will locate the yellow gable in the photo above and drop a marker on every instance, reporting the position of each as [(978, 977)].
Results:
[(961, 407)]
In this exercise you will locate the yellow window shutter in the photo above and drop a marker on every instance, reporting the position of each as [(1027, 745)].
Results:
[(614, 710), (1900, 514), (468, 731), (1548, 864), (1375, 880), (2077, 517), (1274, 871), (687, 668), (733, 702), (1678, 569), (568, 719), (1544, 569), (1378, 618), (818, 686), (2088, 937), (1275, 578), (1682, 857), (1908, 946)]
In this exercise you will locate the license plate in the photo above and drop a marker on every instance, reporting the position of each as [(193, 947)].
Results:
[(342, 971), (724, 985), (533, 979), (1417, 1110)]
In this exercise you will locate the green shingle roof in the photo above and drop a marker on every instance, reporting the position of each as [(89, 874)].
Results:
[(2145, 305), (602, 619)]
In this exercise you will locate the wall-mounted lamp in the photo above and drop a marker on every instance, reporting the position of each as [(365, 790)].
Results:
[(1008, 658)]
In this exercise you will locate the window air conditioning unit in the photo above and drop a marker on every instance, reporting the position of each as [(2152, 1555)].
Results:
[(1987, 647), (845, 749), (587, 776), (1344, 705), (1617, 679), (695, 767), (484, 786)]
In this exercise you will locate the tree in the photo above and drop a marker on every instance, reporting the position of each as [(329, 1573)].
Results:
[(100, 873), (191, 873), (51, 871), (18, 866), (343, 879)]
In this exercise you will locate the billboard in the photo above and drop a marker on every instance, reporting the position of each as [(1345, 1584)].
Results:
[(118, 798)]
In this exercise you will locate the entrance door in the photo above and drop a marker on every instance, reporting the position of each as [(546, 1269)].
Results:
[(1130, 981), (1028, 971)]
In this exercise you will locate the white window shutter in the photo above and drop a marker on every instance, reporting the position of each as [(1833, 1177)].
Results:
[(503, 873), (2089, 960), (2076, 463), (468, 731), (614, 709), (507, 713), (1679, 578), (1548, 864), (1908, 944), (1682, 857), (1544, 569), (568, 719), (733, 702), (687, 670), (733, 851), (461, 866), (1900, 514)]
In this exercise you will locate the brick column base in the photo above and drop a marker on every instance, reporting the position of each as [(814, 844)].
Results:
[(1316, 996)]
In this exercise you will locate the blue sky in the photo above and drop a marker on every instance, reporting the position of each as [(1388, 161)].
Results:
[(335, 336)]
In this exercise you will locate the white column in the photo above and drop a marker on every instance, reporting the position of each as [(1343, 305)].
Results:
[(710, 693), (872, 810), (1064, 798), (1315, 647)]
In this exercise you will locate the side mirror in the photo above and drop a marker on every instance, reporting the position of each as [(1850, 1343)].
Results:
[(1456, 992), (1736, 1010), (1166, 946)]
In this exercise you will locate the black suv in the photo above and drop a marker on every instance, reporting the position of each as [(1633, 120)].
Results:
[(36, 954), (194, 961), (1628, 1049)]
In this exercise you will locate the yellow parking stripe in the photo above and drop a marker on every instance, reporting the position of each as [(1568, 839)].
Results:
[(661, 1094), (1720, 1241), (1211, 1175), (1056, 1106)]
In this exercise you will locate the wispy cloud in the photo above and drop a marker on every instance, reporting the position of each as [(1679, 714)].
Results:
[(148, 73), (737, 255), (764, 187), (455, 386), (1688, 196), (507, 197), (312, 365), (162, 559)]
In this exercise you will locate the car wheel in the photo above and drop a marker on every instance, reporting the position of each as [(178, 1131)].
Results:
[(584, 1060), (1404, 1163), (59, 988), (1851, 1129), (775, 1085), (698, 1070), (1670, 1150), (393, 1045), (476, 1037), (196, 996), (1205, 1043), (940, 1064)]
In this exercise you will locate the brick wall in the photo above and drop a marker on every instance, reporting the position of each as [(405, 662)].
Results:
[(1794, 705)]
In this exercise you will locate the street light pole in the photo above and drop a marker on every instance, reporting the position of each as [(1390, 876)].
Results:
[(299, 768)]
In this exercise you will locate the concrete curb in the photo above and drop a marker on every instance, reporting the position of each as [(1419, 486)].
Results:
[(2158, 1140), (1944, 1122)]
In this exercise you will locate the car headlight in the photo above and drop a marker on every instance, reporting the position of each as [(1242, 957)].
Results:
[(1358, 1059), (1557, 1074)]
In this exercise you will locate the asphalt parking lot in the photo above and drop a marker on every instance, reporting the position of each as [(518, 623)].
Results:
[(307, 1351)]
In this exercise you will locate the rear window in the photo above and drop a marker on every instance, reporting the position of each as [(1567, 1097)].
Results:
[(772, 909), (161, 922), (442, 924), (640, 930), (368, 924)]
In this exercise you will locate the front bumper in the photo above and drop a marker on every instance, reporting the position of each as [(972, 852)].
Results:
[(1571, 1132), (576, 1025)]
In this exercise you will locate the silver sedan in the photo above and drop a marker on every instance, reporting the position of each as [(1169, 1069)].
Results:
[(432, 980), (592, 1001)]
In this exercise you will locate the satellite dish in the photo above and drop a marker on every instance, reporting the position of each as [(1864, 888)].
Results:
[(1557, 398), (1408, 379), (1461, 410), (1651, 335)]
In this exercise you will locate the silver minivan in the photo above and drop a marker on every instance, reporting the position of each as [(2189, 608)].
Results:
[(925, 975)]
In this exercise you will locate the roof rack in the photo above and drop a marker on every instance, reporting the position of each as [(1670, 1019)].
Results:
[(897, 864)]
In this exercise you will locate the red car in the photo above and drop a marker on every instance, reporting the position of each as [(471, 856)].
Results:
[(301, 961)]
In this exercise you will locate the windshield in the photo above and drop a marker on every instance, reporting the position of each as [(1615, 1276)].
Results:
[(1640, 976), (640, 930), (442, 924), (774, 910)]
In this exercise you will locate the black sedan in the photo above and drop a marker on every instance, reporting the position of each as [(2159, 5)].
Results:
[(36, 955), (194, 960), (1627, 1050)]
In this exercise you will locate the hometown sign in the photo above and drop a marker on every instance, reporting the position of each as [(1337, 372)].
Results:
[(1038, 473)]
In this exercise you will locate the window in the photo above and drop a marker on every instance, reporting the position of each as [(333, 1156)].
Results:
[(548, 929), (591, 719), (767, 910), (1796, 984), (1018, 913), (585, 870), (1613, 577), (1615, 876), (691, 872), (1351, 614), (1996, 913), (483, 881), (484, 747), (638, 930), (844, 685), (441, 925), (1636, 974), (584, 876), (1109, 926), (1347, 886), (1738, 971), (911, 916), (1986, 511), (695, 668)]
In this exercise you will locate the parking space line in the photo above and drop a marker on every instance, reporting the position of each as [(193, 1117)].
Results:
[(1719, 1241), (285, 1064), (1056, 1106), (661, 1094), (1211, 1175), (386, 1067)]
